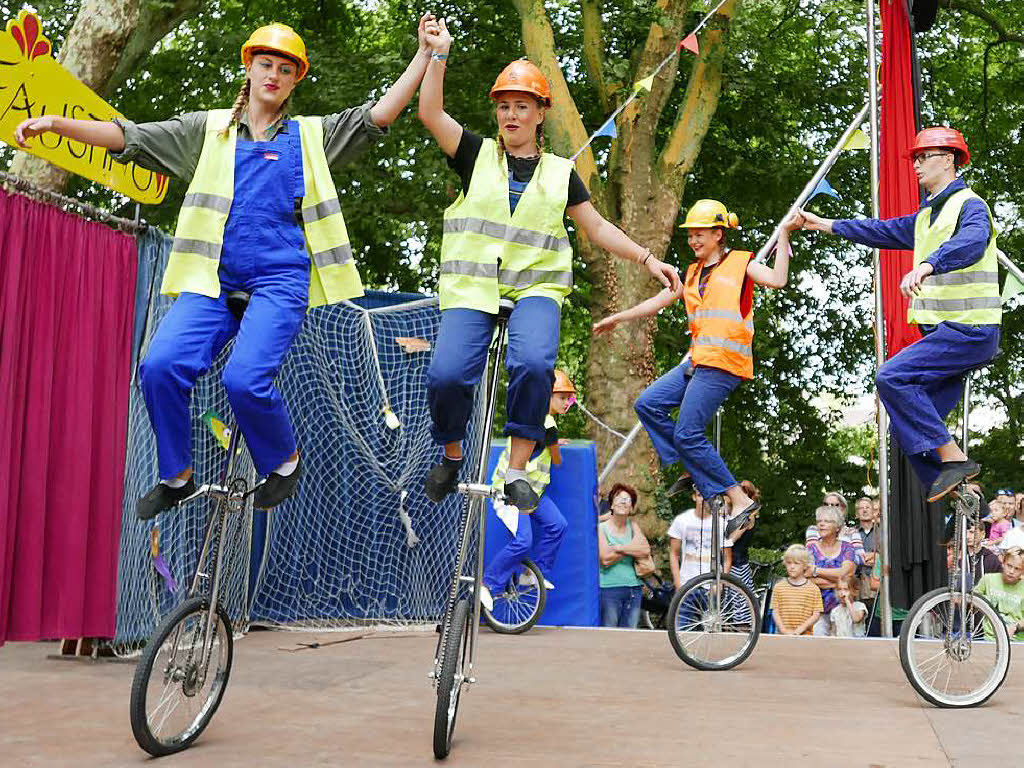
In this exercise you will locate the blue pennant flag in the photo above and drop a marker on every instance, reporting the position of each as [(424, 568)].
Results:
[(608, 129), (824, 188)]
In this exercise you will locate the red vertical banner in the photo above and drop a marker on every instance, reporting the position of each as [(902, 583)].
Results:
[(897, 186)]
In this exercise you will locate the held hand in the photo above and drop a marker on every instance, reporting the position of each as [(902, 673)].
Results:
[(426, 31), (563, 441), (911, 282), (794, 221), (814, 222), (31, 128), (438, 37), (607, 325), (666, 274)]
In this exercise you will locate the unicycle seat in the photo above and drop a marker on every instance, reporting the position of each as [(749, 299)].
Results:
[(505, 307)]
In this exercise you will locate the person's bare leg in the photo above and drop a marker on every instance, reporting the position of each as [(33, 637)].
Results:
[(951, 452)]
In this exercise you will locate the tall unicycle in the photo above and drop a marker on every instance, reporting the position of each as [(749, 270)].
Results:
[(954, 645), (712, 620)]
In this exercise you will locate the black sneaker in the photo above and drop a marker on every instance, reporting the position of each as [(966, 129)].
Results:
[(741, 519), (683, 484), (161, 497), (953, 473), (276, 488), (442, 479), (520, 495)]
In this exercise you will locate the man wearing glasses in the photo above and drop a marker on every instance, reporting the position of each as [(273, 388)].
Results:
[(954, 299)]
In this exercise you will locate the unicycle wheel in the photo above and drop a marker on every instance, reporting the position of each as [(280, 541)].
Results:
[(519, 606), (451, 677), (713, 629)]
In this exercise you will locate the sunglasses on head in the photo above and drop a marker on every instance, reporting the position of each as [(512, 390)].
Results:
[(1004, 492)]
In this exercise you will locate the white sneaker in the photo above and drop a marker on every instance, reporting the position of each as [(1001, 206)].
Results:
[(548, 585), (527, 579), (485, 598)]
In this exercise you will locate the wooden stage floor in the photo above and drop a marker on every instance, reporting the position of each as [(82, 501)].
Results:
[(553, 697)]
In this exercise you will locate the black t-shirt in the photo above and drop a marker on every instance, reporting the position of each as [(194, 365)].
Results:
[(522, 168), (741, 548)]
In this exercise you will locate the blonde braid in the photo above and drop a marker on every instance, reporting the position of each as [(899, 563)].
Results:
[(241, 103), (540, 139), (501, 147)]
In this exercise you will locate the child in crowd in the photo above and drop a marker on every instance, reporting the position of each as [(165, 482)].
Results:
[(796, 601), (1001, 523), (848, 617), (1005, 591)]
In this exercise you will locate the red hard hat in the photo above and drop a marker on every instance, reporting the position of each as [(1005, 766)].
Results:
[(941, 137), (522, 75)]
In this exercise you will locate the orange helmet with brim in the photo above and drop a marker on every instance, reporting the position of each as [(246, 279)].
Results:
[(563, 383), (279, 39), (522, 76), (941, 137)]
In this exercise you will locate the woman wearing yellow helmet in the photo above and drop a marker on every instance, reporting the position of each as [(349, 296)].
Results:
[(261, 218), (718, 293), (505, 236)]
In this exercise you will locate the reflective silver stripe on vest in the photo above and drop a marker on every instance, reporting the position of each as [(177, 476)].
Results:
[(963, 278), (526, 277), (217, 203), (469, 268), (956, 305), (200, 247), (506, 232), (715, 341), (333, 256), (321, 210), (720, 314)]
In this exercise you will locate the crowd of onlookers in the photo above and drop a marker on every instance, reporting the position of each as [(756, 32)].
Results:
[(831, 580)]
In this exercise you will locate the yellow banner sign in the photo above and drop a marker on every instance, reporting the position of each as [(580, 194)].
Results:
[(33, 84)]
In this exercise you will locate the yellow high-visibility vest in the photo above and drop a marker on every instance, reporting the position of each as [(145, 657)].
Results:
[(538, 469), (488, 252), (199, 237), (969, 295)]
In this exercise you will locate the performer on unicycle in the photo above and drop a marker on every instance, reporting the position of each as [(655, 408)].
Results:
[(543, 529), (261, 216), (504, 236), (954, 299), (719, 296)]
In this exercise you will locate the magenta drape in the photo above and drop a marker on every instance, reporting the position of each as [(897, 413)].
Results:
[(67, 299), (897, 187)]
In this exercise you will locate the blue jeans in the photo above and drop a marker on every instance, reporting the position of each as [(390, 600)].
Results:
[(620, 607), (698, 392), (460, 354), (922, 384)]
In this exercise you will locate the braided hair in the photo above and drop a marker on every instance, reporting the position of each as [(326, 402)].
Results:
[(242, 103)]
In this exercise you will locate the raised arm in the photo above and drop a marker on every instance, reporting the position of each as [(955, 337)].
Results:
[(96, 133), (398, 96), (606, 235), (665, 298), (445, 130), (777, 275)]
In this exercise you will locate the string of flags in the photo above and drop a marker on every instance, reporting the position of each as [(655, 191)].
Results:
[(641, 86), (858, 140)]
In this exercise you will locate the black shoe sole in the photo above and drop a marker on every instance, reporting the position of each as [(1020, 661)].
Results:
[(939, 496)]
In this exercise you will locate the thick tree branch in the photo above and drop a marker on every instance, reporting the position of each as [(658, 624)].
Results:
[(593, 49), (563, 123), (976, 9)]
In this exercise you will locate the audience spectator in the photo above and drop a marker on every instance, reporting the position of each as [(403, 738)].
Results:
[(876, 507), (1005, 591), (847, 533), (831, 559), (848, 617), (1018, 512), (620, 540), (741, 537), (983, 559), (796, 601), (690, 543), (999, 519)]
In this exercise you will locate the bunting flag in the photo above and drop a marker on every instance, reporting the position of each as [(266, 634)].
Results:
[(824, 188), (643, 85), (858, 140), (608, 129), (216, 425), (690, 43), (1012, 287)]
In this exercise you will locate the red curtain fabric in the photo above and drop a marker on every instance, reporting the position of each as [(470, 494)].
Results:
[(67, 300), (897, 186)]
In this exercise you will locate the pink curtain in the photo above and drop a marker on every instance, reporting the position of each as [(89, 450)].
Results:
[(67, 299), (897, 186)]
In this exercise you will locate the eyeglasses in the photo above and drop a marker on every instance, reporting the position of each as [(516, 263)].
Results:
[(918, 159), (1004, 492)]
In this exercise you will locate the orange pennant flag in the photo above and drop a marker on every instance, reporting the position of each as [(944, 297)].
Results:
[(690, 43)]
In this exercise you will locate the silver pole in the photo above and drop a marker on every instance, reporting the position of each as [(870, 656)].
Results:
[(823, 169), (967, 412), (883, 419), (718, 431), (1010, 267), (619, 452)]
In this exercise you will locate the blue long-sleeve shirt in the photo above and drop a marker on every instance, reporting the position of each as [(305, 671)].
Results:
[(964, 248)]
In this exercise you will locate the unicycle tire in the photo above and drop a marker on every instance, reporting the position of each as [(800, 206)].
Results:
[(732, 624), (518, 608), (172, 654), (450, 679), (926, 633)]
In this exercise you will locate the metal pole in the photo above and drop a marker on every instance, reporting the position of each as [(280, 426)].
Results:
[(1010, 267), (619, 452), (823, 169), (967, 412), (883, 420), (718, 431)]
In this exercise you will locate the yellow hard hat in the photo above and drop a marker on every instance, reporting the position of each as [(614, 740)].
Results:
[(562, 382), (280, 39), (710, 213)]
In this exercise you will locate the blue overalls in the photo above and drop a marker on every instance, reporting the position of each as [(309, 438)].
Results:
[(264, 254)]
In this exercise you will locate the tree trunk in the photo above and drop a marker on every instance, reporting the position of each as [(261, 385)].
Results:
[(107, 42)]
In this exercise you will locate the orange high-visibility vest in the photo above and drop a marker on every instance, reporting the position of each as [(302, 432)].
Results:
[(722, 320)]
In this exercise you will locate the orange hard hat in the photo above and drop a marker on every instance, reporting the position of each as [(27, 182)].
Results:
[(522, 75), (563, 383), (941, 137), (280, 39)]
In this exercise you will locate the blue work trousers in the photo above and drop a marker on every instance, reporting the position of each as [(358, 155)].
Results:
[(460, 355), (538, 537), (922, 384), (698, 392), (264, 255)]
